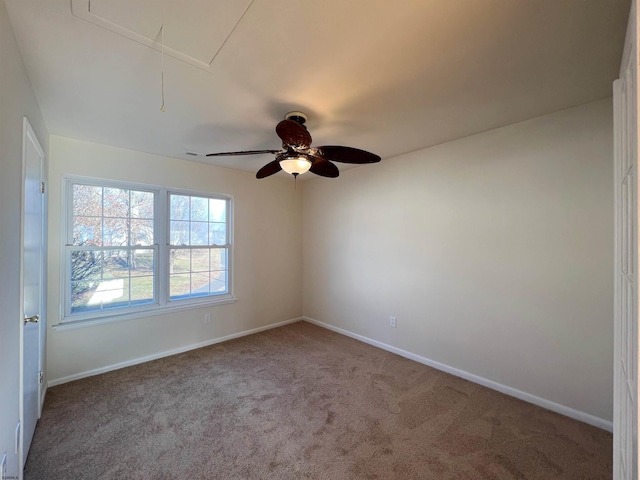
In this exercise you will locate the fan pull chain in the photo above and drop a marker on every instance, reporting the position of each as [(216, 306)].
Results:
[(162, 65)]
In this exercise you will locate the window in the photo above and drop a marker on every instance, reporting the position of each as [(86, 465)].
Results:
[(112, 256), (198, 246), (133, 249)]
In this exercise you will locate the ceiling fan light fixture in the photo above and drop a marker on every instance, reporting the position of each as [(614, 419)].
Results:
[(297, 156), (295, 165)]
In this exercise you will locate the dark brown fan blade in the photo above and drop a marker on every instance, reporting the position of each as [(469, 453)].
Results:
[(246, 152), (293, 134), (346, 154), (269, 169), (323, 167)]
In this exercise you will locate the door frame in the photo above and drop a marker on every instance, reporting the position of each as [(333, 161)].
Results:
[(626, 265)]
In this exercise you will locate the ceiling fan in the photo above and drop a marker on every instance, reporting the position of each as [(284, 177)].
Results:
[(297, 156)]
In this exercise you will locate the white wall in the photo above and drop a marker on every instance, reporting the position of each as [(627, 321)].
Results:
[(16, 100), (267, 258), (495, 252)]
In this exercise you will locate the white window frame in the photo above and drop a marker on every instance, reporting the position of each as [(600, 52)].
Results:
[(160, 245), (169, 247)]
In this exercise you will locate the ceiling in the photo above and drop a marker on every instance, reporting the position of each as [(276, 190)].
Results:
[(387, 77)]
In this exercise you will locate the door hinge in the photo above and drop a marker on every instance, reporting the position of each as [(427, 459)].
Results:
[(41, 187), (40, 377)]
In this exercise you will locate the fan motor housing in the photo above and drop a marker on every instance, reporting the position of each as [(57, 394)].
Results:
[(299, 117)]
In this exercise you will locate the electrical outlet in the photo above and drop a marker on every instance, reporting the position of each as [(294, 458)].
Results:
[(392, 321), (207, 318)]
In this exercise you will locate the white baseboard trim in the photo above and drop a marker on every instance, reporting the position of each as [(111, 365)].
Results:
[(166, 353), (527, 397)]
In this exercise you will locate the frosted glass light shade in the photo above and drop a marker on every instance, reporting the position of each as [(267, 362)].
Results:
[(295, 166)]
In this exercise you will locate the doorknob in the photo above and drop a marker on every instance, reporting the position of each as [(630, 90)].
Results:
[(33, 319)]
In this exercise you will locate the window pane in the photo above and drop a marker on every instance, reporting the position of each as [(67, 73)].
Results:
[(115, 232), (111, 293), (116, 202), (87, 231), (179, 234), (198, 271), (199, 233), (116, 264), (86, 276), (200, 283), (142, 205), (80, 298), (111, 278), (86, 266), (179, 261), (102, 216), (141, 232), (107, 293), (217, 210), (141, 262), (217, 234), (198, 220), (218, 282), (200, 260), (87, 200), (199, 209), (179, 207), (179, 285), (218, 259), (141, 289)]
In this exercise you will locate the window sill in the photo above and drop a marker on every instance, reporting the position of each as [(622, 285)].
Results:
[(151, 312)]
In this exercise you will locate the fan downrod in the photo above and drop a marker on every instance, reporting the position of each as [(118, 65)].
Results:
[(299, 117)]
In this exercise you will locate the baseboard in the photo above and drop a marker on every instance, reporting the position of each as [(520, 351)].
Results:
[(527, 397), (166, 353)]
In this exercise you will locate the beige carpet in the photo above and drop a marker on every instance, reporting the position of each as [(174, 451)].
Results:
[(302, 402)]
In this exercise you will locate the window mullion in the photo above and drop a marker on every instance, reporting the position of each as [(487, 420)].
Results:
[(162, 241)]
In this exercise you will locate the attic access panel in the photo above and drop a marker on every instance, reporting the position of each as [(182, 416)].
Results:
[(193, 34)]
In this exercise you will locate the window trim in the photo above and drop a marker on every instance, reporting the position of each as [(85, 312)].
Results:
[(161, 224)]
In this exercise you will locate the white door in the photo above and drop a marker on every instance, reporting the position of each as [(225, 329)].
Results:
[(625, 414), (32, 338)]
